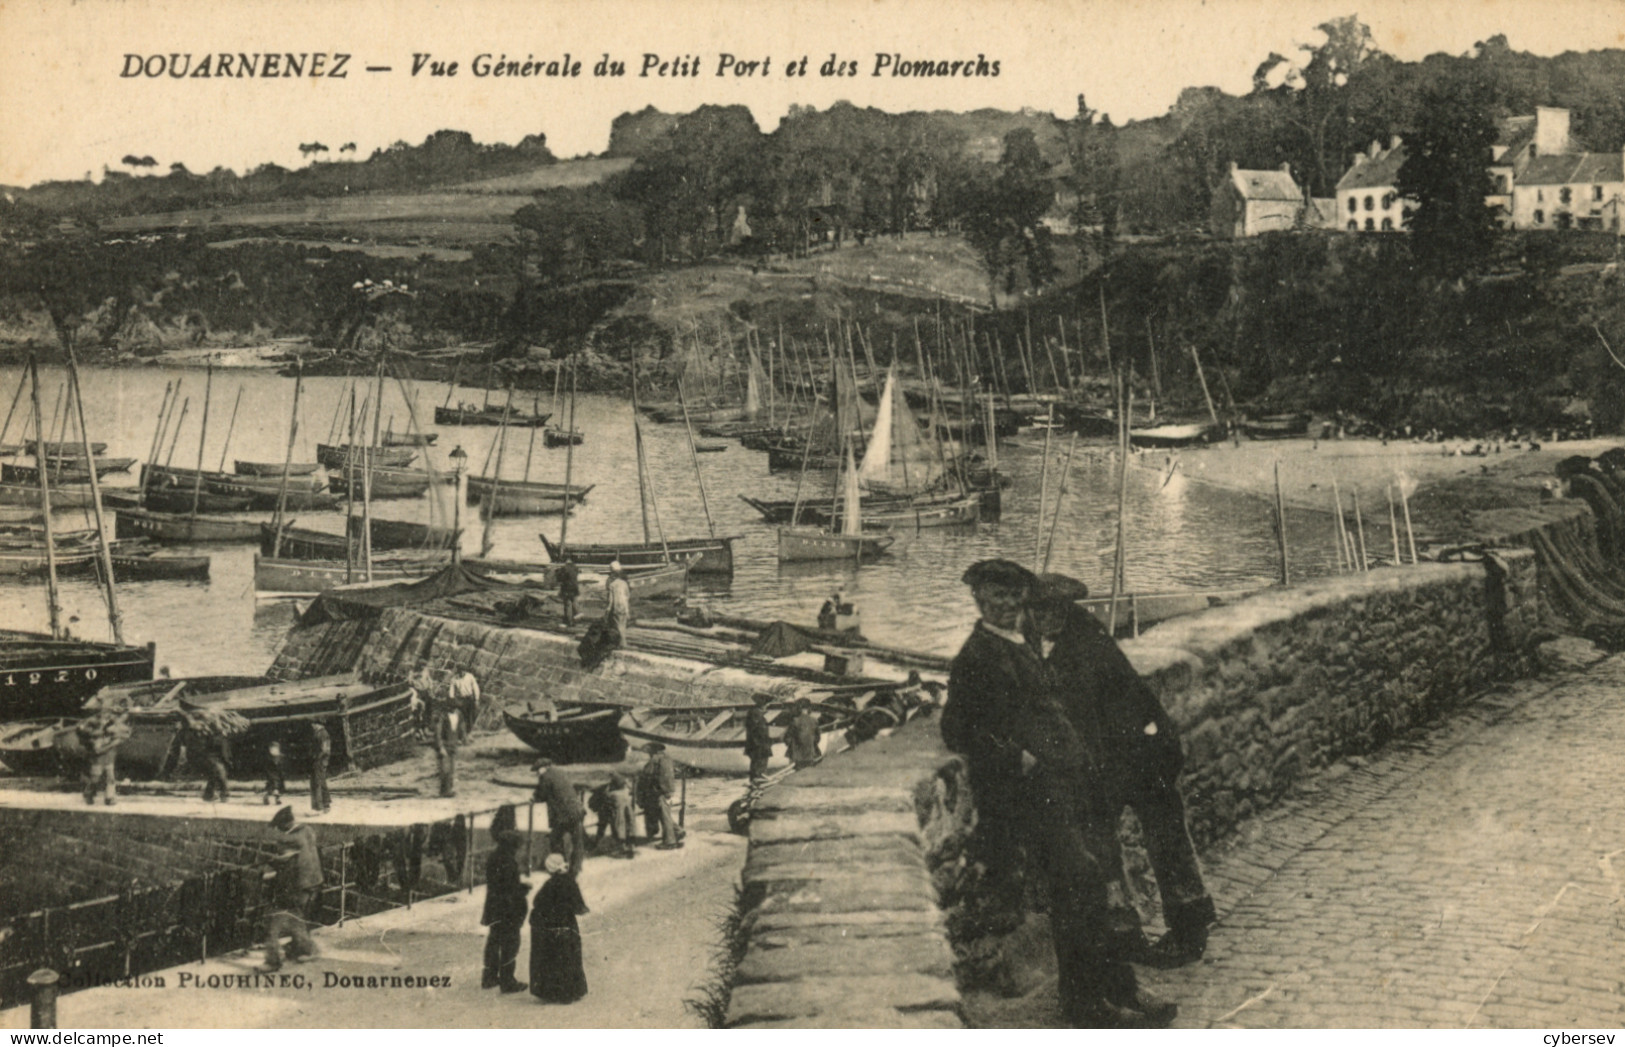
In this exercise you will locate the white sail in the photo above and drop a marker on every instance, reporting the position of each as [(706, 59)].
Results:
[(753, 385), (876, 465), (851, 523)]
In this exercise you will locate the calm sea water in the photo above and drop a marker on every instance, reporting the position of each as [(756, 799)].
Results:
[(1180, 534)]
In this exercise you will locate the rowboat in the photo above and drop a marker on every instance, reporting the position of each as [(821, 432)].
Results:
[(245, 468), (181, 528), (381, 485), (76, 496), (710, 446), (150, 566), (63, 450), (290, 577), (177, 499), (703, 555), (1276, 426), (45, 677), (302, 543), (336, 456), (522, 498), (584, 734), (468, 414), (801, 544), (1173, 435), (63, 470), (29, 747), (409, 439), (647, 583), (712, 738)]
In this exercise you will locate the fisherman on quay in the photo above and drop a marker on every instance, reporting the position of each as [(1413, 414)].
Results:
[(297, 883), (657, 781), (507, 900), (619, 591), (569, 578), (1135, 746), (321, 751), (447, 737), (100, 736), (566, 821), (1037, 791), (758, 737), (464, 696), (802, 737)]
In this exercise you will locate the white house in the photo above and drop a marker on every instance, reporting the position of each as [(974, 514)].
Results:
[(1366, 199), (1248, 203)]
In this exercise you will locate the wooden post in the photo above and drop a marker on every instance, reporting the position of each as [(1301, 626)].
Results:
[(1393, 524), (1410, 536), (1359, 529), (1280, 524)]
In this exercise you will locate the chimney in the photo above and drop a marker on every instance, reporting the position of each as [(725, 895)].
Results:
[(1233, 167), (1286, 168), (1551, 131), (1376, 147), (1394, 142), (1359, 159)]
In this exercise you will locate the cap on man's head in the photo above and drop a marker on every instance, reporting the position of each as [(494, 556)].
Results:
[(761, 698), (998, 572), (554, 864), (1058, 589), (615, 567), (282, 819)]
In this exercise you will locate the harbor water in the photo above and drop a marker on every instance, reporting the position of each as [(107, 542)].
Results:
[(1180, 534)]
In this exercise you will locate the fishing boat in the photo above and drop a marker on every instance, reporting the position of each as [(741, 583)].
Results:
[(925, 512), (579, 734), (63, 470), (393, 439), (712, 738), (302, 543), (468, 414), (43, 676), (246, 468), (226, 483), (181, 528), (395, 483), (299, 498), (802, 544), (521, 498), (149, 565), (179, 499), (369, 724), (404, 534), (54, 449), (703, 555), (1276, 426), (660, 581), (552, 436), (63, 496), (337, 456), (286, 576), (1187, 435)]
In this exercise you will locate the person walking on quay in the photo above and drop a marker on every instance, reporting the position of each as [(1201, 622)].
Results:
[(276, 778), (612, 803), (1036, 792), (1135, 744), (619, 591), (758, 737), (801, 738), (212, 748), (506, 902), (298, 883), (447, 737), (423, 702), (321, 751), (656, 782), (556, 971), (566, 829), (100, 735), (569, 589), (464, 694)]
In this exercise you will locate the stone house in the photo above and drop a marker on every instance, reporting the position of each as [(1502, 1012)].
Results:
[(1248, 203), (1367, 201)]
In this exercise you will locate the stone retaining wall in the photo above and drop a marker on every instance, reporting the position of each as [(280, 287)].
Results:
[(852, 863), (512, 664)]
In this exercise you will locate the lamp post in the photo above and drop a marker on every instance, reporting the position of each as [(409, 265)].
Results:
[(458, 458)]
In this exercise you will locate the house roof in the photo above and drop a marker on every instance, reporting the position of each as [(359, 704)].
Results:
[(1515, 132), (1574, 168), (1374, 172), (1265, 185), (1326, 209)]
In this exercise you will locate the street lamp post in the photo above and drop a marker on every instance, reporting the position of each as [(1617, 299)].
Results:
[(458, 458)]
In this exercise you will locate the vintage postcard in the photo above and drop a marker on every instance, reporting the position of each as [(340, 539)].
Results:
[(827, 514)]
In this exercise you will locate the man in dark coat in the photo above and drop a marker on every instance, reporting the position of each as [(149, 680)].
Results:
[(1035, 790), (657, 781), (447, 737), (213, 749), (569, 589), (298, 883), (566, 829), (758, 737), (1135, 744), (802, 737), (506, 903)]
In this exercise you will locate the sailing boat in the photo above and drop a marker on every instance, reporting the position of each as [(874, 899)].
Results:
[(798, 544), (898, 463), (525, 497), (51, 674)]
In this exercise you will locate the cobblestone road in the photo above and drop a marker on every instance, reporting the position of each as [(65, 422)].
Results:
[(1467, 877)]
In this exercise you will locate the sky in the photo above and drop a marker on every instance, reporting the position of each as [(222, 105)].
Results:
[(66, 110)]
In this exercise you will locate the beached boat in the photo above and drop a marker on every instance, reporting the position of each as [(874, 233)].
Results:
[(580, 734), (337, 456), (1187, 435), (245, 468), (41, 676), (468, 414), (63, 470), (1276, 426), (181, 528), (712, 738), (29, 747), (290, 577), (703, 555), (552, 436)]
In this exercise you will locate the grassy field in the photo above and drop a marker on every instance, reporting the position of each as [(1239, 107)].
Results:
[(568, 174), (439, 254)]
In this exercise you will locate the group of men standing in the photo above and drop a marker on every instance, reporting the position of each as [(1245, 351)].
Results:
[(1060, 734), (448, 716)]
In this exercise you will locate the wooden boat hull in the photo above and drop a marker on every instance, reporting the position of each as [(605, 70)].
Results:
[(488, 416), (302, 543), (404, 534), (799, 545), (959, 512), (516, 498), (578, 736), (703, 555), (145, 567), (382, 487), (1172, 436), (168, 527), (552, 437), (63, 471), (288, 577), (54, 449), (244, 468), (1276, 426), (647, 583), (42, 677), (337, 456), (179, 500), (713, 739), (409, 439), (29, 748), (62, 497)]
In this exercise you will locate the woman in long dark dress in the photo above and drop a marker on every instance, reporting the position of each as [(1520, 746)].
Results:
[(556, 972)]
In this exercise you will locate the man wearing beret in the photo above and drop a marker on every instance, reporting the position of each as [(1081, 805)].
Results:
[(1033, 782), (566, 828), (1135, 746)]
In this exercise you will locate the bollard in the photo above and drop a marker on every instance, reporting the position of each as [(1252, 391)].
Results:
[(42, 1010)]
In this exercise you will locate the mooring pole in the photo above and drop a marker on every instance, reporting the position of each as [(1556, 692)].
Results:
[(43, 982), (1280, 523)]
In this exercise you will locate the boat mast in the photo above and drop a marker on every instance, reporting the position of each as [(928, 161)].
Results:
[(231, 425), (45, 506), (694, 455), (535, 409), (287, 462), (349, 495), (637, 443), (203, 434), (22, 383), (496, 481), (165, 406), (366, 472), (569, 457), (115, 619), (175, 438)]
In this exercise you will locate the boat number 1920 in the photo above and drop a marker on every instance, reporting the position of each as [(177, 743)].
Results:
[(60, 676)]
